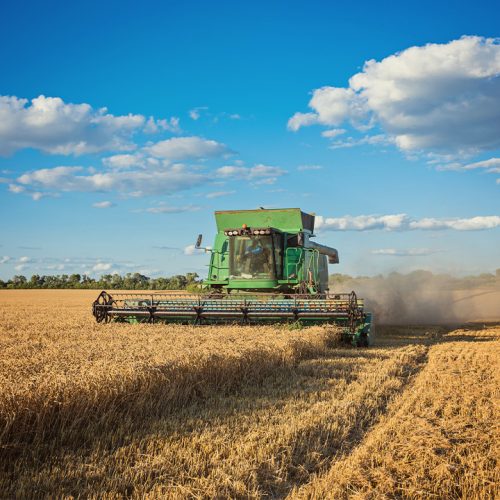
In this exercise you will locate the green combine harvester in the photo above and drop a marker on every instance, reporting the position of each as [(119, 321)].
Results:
[(264, 269)]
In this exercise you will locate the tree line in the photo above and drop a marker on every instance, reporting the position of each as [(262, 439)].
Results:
[(131, 281), (191, 281)]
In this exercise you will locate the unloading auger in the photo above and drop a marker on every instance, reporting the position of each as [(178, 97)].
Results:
[(264, 268)]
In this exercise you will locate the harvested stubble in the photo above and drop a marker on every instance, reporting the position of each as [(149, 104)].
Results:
[(157, 411), (439, 440)]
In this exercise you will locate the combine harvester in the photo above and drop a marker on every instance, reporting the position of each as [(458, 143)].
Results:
[(264, 269)]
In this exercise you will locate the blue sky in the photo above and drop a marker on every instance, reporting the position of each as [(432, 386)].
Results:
[(225, 105)]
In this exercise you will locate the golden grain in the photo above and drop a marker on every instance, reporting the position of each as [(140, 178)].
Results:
[(148, 411)]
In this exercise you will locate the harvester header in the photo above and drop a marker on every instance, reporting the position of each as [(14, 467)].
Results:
[(264, 268)]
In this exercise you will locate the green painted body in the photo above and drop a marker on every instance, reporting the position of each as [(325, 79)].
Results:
[(264, 268), (301, 268)]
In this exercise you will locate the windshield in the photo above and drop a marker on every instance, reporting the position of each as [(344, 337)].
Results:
[(252, 257)]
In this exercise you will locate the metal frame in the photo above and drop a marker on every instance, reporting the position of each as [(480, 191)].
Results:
[(345, 309)]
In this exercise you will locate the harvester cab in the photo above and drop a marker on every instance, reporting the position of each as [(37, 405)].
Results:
[(268, 251), (264, 268)]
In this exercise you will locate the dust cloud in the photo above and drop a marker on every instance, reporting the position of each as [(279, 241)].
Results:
[(424, 298)]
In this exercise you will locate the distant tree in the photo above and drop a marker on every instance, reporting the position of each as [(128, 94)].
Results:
[(74, 281)]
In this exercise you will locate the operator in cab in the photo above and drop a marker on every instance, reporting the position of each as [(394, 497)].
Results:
[(257, 257)]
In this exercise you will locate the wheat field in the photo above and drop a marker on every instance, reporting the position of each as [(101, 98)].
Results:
[(160, 411)]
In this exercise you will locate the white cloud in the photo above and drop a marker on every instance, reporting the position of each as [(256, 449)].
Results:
[(267, 181), (190, 250), (195, 113), (16, 188), (334, 132), (163, 209), (488, 164), (102, 266), (202, 111), (103, 204), (135, 160), (218, 194), (437, 97), (4, 259), (299, 120), (170, 125), (20, 267), (24, 260), (179, 148), (123, 161), (37, 195), (53, 126), (410, 252), (403, 222), (350, 142), (470, 224), (139, 183), (256, 173), (491, 166), (303, 168)]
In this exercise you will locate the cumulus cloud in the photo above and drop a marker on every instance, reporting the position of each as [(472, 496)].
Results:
[(179, 148), (299, 120), (142, 182), (409, 252), (103, 204), (123, 161), (4, 259), (403, 222), (53, 126), (170, 125), (442, 97)]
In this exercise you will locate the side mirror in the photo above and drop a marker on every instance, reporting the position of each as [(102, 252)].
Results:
[(198, 241)]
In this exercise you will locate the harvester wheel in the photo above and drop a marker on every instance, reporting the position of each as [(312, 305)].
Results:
[(100, 307)]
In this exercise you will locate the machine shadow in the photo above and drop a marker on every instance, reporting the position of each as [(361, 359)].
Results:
[(305, 379)]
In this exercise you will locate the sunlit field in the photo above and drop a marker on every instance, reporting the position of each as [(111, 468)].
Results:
[(152, 411)]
